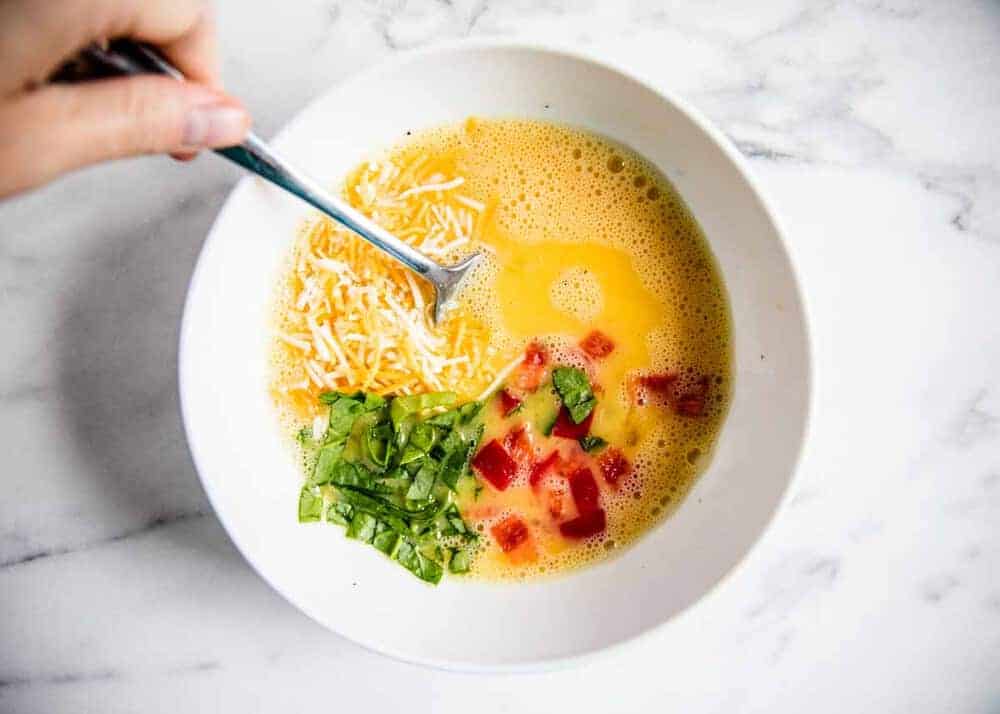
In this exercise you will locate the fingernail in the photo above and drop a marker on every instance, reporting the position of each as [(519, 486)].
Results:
[(215, 125)]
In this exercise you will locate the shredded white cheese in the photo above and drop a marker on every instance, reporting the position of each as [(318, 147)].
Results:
[(447, 186), (499, 379), (358, 320), (472, 203)]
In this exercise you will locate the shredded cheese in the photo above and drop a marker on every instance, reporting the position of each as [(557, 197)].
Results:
[(477, 206), (356, 319), (446, 186), (500, 377)]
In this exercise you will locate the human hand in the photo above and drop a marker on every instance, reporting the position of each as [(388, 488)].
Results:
[(49, 129)]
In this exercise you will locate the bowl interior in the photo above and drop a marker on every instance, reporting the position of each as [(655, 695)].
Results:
[(252, 479)]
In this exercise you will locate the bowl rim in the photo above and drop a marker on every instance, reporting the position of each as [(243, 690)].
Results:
[(738, 161)]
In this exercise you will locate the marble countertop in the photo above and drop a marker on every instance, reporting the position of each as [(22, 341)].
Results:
[(873, 127)]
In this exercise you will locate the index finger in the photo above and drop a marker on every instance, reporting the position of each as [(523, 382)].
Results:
[(193, 49), (39, 36)]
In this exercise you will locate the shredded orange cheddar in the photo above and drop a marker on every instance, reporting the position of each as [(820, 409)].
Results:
[(356, 319)]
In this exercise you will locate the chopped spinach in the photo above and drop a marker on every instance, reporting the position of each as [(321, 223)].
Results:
[(423, 483), (408, 557), (387, 469), (386, 541), (379, 505), (343, 412), (430, 570), (550, 424), (470, 410), (592, 443), (362, 526), (423, 436), (411, 454), (455, 524), (339, 512), (415, 403), (326, 460), (310, 504), (462, 443), (378, 440), (446, 419), (460, 561), (575, 392)]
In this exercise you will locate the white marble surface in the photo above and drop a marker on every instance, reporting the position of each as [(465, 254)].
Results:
[(873, 127)]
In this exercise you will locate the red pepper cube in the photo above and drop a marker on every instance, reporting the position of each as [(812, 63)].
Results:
[(508, 403), (519, 446), (553, 501), (692, 402), (510, 533), (584, 526), (566, 428), (614, 466), (495, 465), (532, 370), (586, 495), (528, 377), (690, 406), (536, 355), (597, 345), (645, 387), (541, 468), (659, 383), (636, 392)]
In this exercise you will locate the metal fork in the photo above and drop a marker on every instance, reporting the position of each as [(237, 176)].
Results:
[(125, 57)]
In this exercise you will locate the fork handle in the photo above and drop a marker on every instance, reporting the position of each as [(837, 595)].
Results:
[(125, 57)]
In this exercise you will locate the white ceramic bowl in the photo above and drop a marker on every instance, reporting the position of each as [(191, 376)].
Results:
[(253, 480)]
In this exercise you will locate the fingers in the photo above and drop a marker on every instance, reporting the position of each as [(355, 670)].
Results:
[(39, 36), (195, 53), (183, 30), (59, 128)]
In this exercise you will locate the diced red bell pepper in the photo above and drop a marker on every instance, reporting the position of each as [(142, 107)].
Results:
[(480, 511), (585, 525), (528, 377), (586, 495), (539, 470), (536, 355), (518, 445), (566, 428), (659, 383), (690, 406), (597, 345), (614, 466), (495, 465), (510, 533), (634, 388), (692, 402), (508, 402), (660, 386), (531, 372), (554, 502)]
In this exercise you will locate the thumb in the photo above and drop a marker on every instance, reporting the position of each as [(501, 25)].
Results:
[(58, 128)]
